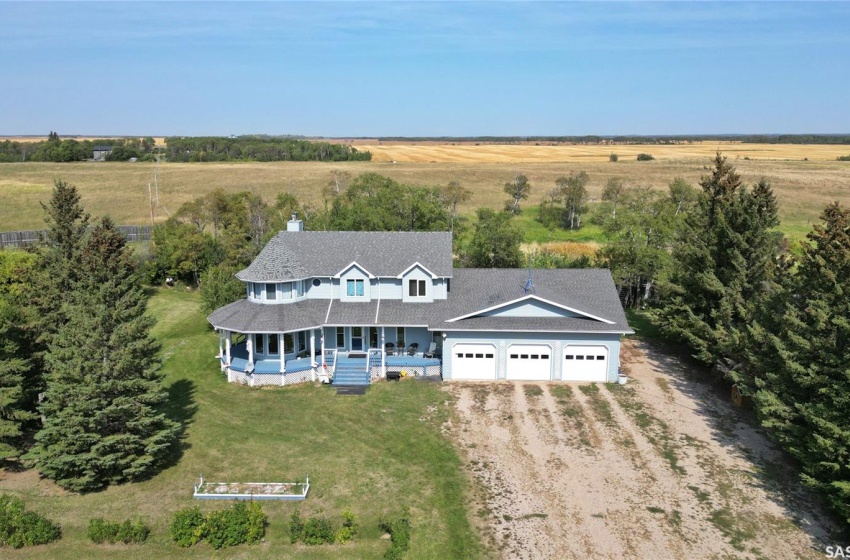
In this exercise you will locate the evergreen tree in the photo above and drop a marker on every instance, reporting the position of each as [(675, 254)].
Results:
[(801, 356), (66, 224), (103, 423), (495, 243), (17, 395), (723, 258)]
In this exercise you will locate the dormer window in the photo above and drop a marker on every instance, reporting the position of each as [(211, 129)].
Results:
[(416, 288), (355, 287), (271, 292), (299, 288)]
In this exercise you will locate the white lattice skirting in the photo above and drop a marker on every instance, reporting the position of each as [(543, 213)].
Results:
[(376, 373), (271, 379)]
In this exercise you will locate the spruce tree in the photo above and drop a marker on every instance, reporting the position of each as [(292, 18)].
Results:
[(66, 223), (802, 356), (103, 420), (723, 258), (17, 397), (14, 370)]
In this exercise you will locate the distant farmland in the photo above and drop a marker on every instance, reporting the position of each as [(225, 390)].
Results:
[(542, 152), (804, 188)]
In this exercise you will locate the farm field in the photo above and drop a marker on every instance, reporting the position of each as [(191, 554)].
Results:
[(542, 152), (662, 467), (374, 455), (803, 188)]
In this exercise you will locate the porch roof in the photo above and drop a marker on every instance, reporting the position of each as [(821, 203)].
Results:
[(246, 316)]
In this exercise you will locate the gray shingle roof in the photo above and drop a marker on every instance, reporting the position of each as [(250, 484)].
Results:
[(292, 255), (246, 316), (591, 291)]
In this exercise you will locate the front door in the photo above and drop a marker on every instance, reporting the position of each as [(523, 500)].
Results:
[(357, 338)]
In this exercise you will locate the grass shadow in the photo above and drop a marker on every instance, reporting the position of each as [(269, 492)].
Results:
[(181, 408)]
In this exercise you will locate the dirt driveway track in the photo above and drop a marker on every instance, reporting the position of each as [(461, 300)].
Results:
[(659, 468)]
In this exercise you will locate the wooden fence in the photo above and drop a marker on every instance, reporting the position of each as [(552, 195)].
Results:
[(24, 238)]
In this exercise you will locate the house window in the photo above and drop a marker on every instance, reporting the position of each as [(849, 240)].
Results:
[(273, 349), (316, 282), (416, 288), (250, 289), (340, 337), (271, 294), (287, 343), (302, 340), (286, 290), (299, 286), (354, 287), (399, 336)]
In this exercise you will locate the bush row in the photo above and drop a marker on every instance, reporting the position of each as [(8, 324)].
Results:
[(321, 530), (241, 523), (101, 531)]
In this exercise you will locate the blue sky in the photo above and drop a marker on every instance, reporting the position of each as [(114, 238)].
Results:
[(424, 68)]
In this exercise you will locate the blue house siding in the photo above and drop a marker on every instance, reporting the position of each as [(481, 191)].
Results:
[(556, 342), (530, 309)]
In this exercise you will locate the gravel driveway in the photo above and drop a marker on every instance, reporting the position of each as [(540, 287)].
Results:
[(663, 467)]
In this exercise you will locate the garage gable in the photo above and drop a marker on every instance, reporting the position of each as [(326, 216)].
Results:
[(531, 306)]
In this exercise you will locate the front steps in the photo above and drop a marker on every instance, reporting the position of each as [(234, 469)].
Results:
[(351, 371)]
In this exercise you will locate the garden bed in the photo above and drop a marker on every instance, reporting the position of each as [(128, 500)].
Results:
[(205, 490)]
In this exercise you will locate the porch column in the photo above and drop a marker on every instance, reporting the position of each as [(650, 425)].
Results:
[(221, 349), (322, 335), (280, 350), (228, 342), (249, 345), (312, 354), (383, 355)]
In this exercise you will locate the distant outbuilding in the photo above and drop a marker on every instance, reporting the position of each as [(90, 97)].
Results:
[(99, 153)]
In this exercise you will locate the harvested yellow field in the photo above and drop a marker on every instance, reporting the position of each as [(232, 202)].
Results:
[(425, 152)]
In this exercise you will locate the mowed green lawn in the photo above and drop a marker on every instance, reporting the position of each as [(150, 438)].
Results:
[(374, 455)]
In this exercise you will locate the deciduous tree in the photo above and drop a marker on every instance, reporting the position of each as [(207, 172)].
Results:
[(495, 242), (518, 188)]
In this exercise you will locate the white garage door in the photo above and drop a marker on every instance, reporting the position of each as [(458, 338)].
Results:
[(529, 362), (474, 361), (585, 363)]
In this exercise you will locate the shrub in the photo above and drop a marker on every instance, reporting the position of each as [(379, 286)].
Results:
[(645, 157), (187, 527), (613, 158), (19, 528), (349, 528), (318, 530), (296, 527), (101, 531), (843, 158), (399, 531), (242, 523), (321, 530)]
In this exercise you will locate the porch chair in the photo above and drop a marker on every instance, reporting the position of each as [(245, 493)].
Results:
[(411, 350), (432, 350), (389, 348)]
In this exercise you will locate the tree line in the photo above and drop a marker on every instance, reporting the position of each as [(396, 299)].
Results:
[(81, 395), (55, 149), (772, 320), (181, 149), (258, 148)]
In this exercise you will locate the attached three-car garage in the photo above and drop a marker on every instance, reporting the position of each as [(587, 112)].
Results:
[(530, 362)]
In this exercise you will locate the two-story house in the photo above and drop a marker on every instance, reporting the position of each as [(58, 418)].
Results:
[(359, 304)]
